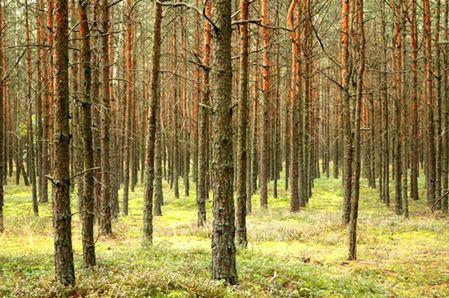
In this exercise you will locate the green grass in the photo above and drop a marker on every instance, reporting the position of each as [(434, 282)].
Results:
[(289, 255)]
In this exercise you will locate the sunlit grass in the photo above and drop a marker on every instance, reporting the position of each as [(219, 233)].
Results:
[(289, 255)]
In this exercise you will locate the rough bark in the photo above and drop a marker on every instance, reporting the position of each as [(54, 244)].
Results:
[(105, 204), (152, 122), (242, 152), (266, 87), (202, 192), (223, 247), (87, 211), (346, 112), (62, 216)]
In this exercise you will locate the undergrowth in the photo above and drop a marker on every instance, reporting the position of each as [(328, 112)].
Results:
[(289, 255)]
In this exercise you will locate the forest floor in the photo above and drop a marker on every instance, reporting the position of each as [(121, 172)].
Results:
[(289, 255)]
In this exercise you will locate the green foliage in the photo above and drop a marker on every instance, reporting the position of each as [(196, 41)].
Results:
[(289, 255)]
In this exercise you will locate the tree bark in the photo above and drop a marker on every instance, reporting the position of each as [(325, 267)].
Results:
[(152, 122), (346, 110), (87, 211), (62, 216), (242, 152), (264, 146), (202, 191), (223, 247), (105, 204)]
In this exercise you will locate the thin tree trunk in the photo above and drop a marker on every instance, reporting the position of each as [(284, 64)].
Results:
[(265, 133), (2, 228), (242, 156), (430, 150), (152, 122), (105, 213), (31, 161), (87, 211), (346, 112), (360, 45), (202, 192)]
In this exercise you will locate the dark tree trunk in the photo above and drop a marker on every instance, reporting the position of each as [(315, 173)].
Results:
[(359, 44), (31, 161), (105, 204), (346, 113), (1, 124), (223, 247), (87, 211), (62, 216), (293, 149), (430, 150), (266, 87)]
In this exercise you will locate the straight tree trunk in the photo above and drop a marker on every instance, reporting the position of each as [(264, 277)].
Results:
[(242, 152), (105, 204), (360, 47), (430, 150), (445, 138), (294, 200), (31, 161), (264, 146), (414, 162), (152, 122), (129, 109), (87, 211), (62, 216), (202, 191), (2, 228), (223, 233), (346, 112)]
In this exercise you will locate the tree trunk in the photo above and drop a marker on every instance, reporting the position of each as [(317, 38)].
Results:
[(31, 161), (62, 216), (264, 146), (414, 194), (359, 44), (242, 152), (202, 191), (430, 150), (346, 112), (2, 228), (152, 122), (87, 211), (294, 200), (223, 247), (105, 204)]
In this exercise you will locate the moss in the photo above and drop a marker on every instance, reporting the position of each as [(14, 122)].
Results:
[(289, 255)]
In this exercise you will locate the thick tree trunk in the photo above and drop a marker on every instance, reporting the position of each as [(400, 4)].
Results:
[(223, 247), (62, 216)]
